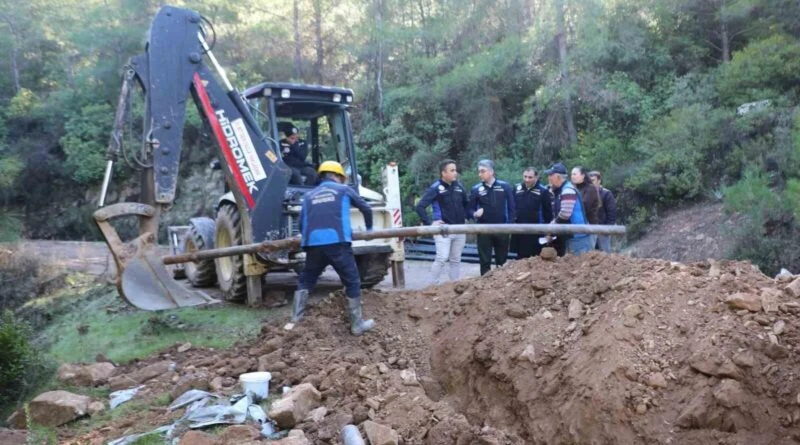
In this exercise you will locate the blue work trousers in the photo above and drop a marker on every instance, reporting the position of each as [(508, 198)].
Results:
[(341, 257)]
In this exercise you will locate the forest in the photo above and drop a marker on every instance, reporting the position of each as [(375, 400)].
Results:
[(676, 101)]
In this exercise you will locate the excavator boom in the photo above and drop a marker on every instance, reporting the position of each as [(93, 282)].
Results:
[(170, 72)]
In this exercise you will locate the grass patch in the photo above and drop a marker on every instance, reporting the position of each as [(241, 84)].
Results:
[(105, 325)]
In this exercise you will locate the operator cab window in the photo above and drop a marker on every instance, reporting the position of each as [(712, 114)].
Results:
[(323, 129)]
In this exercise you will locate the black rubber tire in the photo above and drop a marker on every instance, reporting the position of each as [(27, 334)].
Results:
[(230, 270), (372, 268), (201, 273)]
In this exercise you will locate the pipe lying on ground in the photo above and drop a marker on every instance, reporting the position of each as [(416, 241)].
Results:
[(404, 232)]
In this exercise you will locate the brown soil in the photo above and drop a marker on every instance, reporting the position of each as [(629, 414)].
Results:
[(656, 356), (693, 233)]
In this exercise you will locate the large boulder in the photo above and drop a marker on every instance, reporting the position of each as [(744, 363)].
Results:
[(95, 374), (56, 408), (198, 438), (295, 405)]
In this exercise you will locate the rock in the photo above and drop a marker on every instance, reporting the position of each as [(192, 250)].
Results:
[(633, 311), (140, 376), (216, 384), (295, 405), (95, 374), (775, 352), (197, 380), (17, 420), (373, 403), (516, 311), (730, 394), (382, 368), (13, 437), (548, 254), (409, 377), (451, 430), (770, 300), (265, 361), (296, 437), (432, 388), (184, 347), (55, 408), (236, 434), (779, 327), (656, 380), (198, 438), (784, 276), (742, 300), (332, 424), (575, 309), (641, 408), (316, 415), (744, 359), (698, 413), (793, 288), (547, 315), (522, 277), (96, 407), (529, 354), (380, 434), (717, 365)]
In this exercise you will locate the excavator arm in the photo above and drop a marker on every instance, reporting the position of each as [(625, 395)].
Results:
[(170, 72)]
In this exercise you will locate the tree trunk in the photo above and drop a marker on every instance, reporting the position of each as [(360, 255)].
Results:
[(726, 40), (379, 58), (14, 55), (561, 39), (318, 44), (298, 60)]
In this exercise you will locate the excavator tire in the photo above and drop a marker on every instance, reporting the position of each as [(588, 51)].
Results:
[(372, 268), (230, 270), (200, 236)]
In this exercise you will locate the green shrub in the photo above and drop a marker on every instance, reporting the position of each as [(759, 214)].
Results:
[(22, 366)]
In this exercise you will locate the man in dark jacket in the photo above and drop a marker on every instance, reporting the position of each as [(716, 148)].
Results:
[(294, 151), (450, 204), (325, 226), (608, 214), (533, 204), (491, 202)]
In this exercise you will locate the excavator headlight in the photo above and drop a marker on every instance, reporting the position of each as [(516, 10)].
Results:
[(267, 92), (349, 99), (337, 97), (286, 93)]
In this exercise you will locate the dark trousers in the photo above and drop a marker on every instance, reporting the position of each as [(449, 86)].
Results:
[(526, 246), (307, 171), (341, 257), (485, 245)]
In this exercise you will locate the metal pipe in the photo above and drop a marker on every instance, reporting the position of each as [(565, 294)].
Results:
[(403, 232), (106, 180)]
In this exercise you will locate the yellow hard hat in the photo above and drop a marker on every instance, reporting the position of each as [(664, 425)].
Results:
[(331, 167)]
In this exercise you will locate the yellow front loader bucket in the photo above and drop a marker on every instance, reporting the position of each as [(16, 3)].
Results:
[(143, 279)]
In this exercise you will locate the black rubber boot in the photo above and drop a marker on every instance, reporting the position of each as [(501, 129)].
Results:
[(358, 325), (299, 305)]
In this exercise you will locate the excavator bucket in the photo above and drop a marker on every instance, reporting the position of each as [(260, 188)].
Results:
[(143, 279)]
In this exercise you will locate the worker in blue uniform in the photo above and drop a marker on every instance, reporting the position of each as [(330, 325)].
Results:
[(327, 236)]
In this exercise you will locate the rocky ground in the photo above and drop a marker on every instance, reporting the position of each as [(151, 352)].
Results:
[(593, 350)]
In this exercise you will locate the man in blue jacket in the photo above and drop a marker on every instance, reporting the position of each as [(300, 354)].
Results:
[(491, 202), (325, 226), (450, 206)]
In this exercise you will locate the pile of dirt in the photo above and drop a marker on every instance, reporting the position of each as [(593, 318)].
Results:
[(591, 349)]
